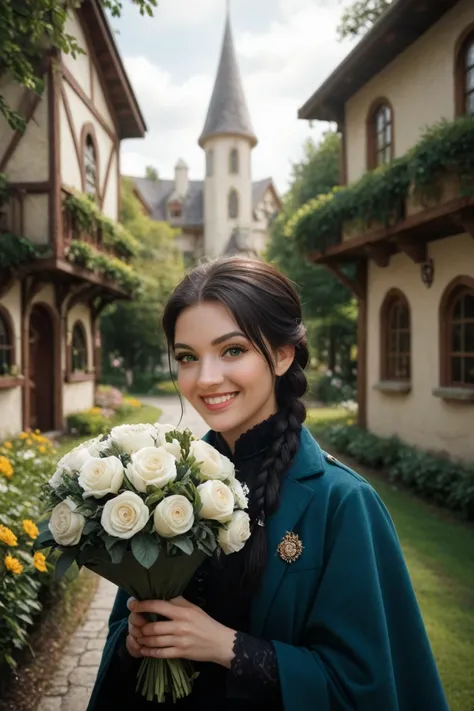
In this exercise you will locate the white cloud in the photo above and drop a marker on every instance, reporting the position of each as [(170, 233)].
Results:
[(281, 67)]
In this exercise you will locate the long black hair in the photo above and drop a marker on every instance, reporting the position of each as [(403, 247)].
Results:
[(267, 309)]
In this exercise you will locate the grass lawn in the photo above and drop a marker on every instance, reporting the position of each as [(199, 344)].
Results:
[(146, 413), (439, 553)]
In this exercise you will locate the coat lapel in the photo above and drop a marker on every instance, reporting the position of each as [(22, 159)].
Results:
[(295, 498)]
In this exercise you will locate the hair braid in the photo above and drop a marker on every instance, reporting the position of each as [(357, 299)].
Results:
[(265, 497)]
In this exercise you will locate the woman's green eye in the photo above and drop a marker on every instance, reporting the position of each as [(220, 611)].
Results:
[(235, 351), (185, 358)]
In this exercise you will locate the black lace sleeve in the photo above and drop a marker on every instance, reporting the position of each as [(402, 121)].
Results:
[(255, 660)]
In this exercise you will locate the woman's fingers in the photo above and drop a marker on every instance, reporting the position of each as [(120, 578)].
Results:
[(162, 607), (165, 640), (133, 648), (137, 620), (159, 628), (165, 653)]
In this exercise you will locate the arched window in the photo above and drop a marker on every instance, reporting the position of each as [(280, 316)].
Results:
[(233, 204), (210, 163), (234, 161), (6, 344), (90, 166), (465, 75), (379, 134), (396, 337), (78, 348), (457, 334)]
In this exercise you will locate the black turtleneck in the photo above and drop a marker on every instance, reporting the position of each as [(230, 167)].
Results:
[(252, 682)]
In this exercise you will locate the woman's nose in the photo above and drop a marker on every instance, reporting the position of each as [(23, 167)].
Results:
[(210, 375)]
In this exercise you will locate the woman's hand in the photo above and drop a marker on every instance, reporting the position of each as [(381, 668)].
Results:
[(187, 633), (135, 624)]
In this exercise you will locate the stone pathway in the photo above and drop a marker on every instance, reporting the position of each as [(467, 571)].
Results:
[(75, 676)]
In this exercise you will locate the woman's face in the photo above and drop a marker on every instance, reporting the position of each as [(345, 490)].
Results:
[(221, 373)]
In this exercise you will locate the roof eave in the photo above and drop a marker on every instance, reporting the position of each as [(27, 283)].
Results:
[(203, 139)]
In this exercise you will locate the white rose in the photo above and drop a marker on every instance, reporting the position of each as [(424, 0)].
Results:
[(212, 464), (162, 431), (131, 438), (125, 515), (66, 525), (173, 516), (151, 466), (173, 448), (101, 476), (241, 500), (71, 463), (217, 501), (96, 446), (232, 539)]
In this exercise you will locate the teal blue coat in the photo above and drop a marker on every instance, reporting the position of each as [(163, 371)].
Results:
[(343, 618)]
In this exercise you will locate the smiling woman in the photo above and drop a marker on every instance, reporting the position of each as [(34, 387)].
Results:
[(317, 610)]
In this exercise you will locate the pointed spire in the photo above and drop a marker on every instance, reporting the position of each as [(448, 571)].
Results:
[(228, 112)]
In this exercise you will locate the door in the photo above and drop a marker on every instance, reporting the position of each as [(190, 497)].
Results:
[(41, 370)]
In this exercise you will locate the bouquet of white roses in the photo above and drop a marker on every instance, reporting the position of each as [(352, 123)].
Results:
[(142, 506)]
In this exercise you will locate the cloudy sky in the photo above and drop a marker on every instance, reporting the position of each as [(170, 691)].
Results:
[(285, 48)]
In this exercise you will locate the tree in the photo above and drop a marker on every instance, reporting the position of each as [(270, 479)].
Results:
[(151, 173), (328, 306), (360, 16), (30, 30), (131, 332)]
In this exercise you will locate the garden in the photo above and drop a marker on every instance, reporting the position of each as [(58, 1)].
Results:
[(38, 613)]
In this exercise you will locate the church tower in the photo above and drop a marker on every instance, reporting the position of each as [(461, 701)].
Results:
[(227, 140)]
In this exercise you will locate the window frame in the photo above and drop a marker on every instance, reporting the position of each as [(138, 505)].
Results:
[(7, 321), (458, 287), (74, 376), (233, 193), (88, 135), (394, 298), (373, 150), (464, 43)]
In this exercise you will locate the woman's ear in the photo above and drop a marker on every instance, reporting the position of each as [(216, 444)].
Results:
[(284, 357)]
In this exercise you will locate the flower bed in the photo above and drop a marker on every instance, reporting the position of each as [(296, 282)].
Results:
[(26, 463), (110, 405)]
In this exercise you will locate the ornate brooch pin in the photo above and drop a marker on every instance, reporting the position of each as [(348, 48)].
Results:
[(290, 547)]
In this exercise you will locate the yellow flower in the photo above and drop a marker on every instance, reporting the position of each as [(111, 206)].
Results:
[(8, 445), (5, 467), (39, 561), (29, 442), (30, 528), (13, 565), (8, 537), (37, 432), (42, 449), (23, 435)]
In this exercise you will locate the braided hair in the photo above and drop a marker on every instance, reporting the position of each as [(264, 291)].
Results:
[(267, 309)]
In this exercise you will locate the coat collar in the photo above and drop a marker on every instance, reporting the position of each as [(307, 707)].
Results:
[(295, 497)]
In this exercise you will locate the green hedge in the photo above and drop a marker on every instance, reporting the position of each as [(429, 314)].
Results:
[(445, 149), (446, 482)]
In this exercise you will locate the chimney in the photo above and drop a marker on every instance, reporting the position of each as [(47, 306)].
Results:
[(181, 178)]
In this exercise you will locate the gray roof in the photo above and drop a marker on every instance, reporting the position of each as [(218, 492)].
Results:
[(157, 194), (228, 112)]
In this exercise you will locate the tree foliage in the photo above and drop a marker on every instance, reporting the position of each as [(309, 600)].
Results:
[(327, 304), (29, 30), (131, 332), (360, 16)]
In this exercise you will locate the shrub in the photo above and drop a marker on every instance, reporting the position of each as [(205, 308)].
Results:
[(330, 389), (89, 422), (109, 397), (26, 463), (433, 476)]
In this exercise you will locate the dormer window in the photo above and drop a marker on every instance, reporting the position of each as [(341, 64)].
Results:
[(234, 161), (175, 210), (380, 135)]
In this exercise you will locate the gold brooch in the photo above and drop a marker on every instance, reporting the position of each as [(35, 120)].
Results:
[(290, 547)]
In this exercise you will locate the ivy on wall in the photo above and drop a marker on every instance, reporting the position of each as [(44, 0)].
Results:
[(378, 197), (85, 256), (15, 251), (87, 218)]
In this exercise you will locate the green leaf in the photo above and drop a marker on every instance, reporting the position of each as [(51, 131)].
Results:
[(117, 551), (184, 544), (64, 562), (44, 540), (146, 549)]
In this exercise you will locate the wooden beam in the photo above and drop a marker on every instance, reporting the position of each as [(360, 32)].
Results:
[(465, 218), (67, 108), (380, 253), (32, 186), (353, 285), (28, 106), (7, 279), (414, 248), (107, 173), (362, 327), (71, 80)]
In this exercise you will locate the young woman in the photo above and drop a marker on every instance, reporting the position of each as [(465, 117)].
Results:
[(317, 612)]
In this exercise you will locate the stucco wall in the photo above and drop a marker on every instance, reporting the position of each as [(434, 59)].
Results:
[(78, 396), (11, 400), (30, 161), (36, 218), (419, 84), (216, 190), (419, 418)]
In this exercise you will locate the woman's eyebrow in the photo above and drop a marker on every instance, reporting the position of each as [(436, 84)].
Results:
[(215, 342)]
